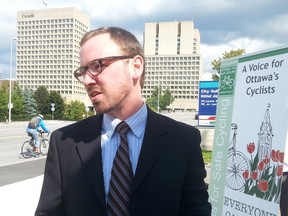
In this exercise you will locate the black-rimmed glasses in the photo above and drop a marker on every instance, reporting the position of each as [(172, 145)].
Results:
[(96, 66)]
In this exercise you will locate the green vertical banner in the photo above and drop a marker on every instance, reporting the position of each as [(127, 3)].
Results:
[(250, 134), (222, 136)]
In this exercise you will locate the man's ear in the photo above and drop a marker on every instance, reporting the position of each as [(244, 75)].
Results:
[(138, 66)]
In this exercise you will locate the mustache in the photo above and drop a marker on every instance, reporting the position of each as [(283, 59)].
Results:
[(94, 88)]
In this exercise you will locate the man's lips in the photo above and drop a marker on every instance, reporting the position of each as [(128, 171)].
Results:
[(93, 93)]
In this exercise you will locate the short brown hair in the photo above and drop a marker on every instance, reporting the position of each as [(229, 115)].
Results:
[(127, 42)]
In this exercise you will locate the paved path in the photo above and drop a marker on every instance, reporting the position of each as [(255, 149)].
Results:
[(21, 171)]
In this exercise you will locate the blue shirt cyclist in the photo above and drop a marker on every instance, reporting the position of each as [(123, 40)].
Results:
[(33, 127)]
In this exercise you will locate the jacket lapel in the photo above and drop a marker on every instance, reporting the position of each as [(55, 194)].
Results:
[(152, 147), (90, 153)]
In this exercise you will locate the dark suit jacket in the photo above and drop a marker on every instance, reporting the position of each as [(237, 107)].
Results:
[(169, 178)]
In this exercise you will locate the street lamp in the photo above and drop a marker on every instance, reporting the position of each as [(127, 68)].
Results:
[(10, 81)]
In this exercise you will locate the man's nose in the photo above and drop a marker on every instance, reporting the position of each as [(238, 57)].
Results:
[(88, 79)]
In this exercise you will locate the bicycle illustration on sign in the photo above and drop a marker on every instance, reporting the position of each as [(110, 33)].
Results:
[(237, 163), (227, 82)]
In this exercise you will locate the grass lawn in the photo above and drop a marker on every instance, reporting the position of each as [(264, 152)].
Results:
[(207, 155)]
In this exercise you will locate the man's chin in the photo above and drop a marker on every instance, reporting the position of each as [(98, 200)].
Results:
[(98, 108), (102, 109)]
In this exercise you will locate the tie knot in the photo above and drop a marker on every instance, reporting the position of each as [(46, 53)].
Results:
[(122, 128)]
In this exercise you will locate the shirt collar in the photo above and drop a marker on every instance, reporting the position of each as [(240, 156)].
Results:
[(139, 118)]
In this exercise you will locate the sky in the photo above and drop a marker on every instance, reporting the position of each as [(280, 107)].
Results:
[(224, 25)]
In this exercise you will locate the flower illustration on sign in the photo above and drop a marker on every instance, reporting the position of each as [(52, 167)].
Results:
[(265, 178), (266, 165)]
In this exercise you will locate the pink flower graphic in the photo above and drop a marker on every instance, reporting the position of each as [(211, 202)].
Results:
[(246, 174), (279, 170), (261, 165), (251, 147), (263, 185), (254, 175)]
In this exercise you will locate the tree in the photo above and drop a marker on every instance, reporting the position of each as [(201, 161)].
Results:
[(74, 110), (226, 55), (58, 100), (4, 97), (3, 105), (30, 102), (42, 98), (5, 86), (18, 110), (165, 99)]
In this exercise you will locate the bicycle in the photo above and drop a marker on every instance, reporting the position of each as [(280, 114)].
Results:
[(27, 149), (227, 81), (237, 163)]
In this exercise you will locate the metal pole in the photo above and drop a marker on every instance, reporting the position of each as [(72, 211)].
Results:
[(158, 95), (52, 110), (10, 81)]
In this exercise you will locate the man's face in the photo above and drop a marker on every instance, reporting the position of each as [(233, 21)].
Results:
[(110, 90)]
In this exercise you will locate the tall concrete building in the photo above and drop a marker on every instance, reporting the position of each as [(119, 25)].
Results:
[(48, 50), (173, 61)]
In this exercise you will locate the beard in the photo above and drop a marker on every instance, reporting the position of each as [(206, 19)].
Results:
[(102, 107), (111, 102)]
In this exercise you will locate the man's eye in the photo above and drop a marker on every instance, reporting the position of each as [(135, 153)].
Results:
[(82, 71), (94, 67)]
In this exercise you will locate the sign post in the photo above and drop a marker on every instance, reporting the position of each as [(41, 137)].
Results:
[(52, 110)]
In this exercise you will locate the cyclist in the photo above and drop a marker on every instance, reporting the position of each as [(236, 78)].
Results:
[(33, 129)]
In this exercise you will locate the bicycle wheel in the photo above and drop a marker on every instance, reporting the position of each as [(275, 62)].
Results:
[(236, 165), (44, 146), (27, 150)]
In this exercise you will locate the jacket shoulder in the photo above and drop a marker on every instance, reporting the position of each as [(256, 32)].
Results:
[(76, 128), (165, 121)]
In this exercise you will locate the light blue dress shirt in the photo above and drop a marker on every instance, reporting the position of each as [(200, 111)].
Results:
[(110, 141)]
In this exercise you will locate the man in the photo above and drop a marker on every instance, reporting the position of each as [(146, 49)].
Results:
[(33, 126), (167, 165)]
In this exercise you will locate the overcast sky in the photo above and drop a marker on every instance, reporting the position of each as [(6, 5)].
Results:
[(224, 25)]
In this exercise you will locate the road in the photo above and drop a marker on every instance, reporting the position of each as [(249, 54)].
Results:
[(12, 137)]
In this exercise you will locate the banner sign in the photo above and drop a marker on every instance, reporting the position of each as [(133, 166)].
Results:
[(250, 135), (208, 94)]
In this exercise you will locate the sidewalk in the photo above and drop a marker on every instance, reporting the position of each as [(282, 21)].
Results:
[(20, 186), (20, 198)]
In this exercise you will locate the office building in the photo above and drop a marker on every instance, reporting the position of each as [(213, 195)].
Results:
[(48, 50), (173, 61)]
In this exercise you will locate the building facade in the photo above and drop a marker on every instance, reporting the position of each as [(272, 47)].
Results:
[(173, 61), (47, 51)]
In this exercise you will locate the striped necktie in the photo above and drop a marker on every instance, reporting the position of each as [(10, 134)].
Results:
[(121, 176)]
